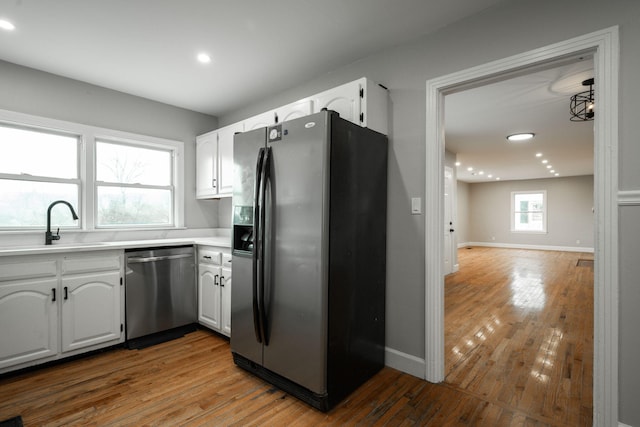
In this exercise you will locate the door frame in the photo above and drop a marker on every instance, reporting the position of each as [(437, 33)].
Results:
[(603, 45)]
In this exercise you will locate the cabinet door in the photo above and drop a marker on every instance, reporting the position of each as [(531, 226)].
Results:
[(225, 303), (90, 309), (344, 99), (28, 321), (225, 158), (293, 111), (206, 168), (209, 296), (261, 120)]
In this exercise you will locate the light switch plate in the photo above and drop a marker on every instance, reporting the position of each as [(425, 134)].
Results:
[(416, 206)]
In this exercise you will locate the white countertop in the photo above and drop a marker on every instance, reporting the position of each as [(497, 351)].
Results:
[(98, 246)]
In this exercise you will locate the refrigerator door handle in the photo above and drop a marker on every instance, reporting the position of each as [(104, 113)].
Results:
[(265, 180), (256, 246)]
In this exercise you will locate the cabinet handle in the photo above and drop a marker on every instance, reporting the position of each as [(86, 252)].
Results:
[(215, 280), (53, 290), (206, 257), (222, 281), (66, 293), (213, 183)]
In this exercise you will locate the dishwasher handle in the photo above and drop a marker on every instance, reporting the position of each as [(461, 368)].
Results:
[(137, 260)]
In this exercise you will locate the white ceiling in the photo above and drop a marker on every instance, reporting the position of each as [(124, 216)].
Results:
[(259, 48), (477, 122), (148, 47)]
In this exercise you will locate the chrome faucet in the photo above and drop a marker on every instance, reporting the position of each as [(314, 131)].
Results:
[(49, 236)]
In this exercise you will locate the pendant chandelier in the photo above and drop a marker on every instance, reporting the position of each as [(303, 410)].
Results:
[(582, 105)]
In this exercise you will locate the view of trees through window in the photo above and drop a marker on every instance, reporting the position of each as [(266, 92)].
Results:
[(134, 182), (133, 185), (528, 211), (37, 168)]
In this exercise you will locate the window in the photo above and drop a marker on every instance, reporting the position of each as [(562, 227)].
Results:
[(529, 211), (113, 179), (134, 185), (37, 167)]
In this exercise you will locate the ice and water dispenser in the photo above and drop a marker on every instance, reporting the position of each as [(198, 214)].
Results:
[(243, 229)]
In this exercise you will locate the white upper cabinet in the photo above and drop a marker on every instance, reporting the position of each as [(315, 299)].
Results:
[(225, 158), (294, 110), (206, 159), (279, 115), (362, 102), (261, 120), (214, 162)]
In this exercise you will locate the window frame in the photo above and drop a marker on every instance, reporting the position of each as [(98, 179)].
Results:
[(127, 142), (87, 182), (543, 211), (51, 130)]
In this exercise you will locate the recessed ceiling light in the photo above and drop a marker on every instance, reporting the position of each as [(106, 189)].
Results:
[(520, 136), (538, 154), (549, 166), (458, 163), (498, 179), (490, 176), (557, 174), (6, 25), (481, 173), (469, 168), (204, 58), (545, 161)]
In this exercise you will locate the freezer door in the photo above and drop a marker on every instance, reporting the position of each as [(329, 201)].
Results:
[(245, 155), (296, 248)]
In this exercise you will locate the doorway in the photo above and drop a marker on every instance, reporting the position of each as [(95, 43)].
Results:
[(603, 45)]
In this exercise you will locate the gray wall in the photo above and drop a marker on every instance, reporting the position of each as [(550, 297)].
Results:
[(509, 28), (463, 209), (569, 212), (30, 91)]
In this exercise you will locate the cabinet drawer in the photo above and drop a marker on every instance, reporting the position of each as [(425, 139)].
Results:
[(208, 256), (87, 264), (28, 269), (226, 260)]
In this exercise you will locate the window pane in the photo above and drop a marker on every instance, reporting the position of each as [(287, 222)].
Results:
[(25, 203), (529, 221), (38, 153), (132, 165), (529, 202), (134, 206)]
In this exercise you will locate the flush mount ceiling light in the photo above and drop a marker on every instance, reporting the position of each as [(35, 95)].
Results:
[(516, 137), (6, 25), (582, 105)]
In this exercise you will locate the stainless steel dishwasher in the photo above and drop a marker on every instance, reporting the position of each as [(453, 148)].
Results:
[(160, 291)]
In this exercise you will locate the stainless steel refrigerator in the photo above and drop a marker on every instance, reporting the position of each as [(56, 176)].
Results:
[(309, 255)]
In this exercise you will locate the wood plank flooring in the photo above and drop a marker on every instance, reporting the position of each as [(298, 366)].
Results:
[(519, 352)]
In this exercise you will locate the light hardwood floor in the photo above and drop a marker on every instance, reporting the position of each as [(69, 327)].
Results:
[(519, 352)]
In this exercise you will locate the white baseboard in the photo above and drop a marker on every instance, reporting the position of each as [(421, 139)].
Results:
[(534, 247), (404, 362), (623, 425)]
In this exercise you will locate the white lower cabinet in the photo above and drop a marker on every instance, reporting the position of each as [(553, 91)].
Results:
[(52, 307), (28, 320), (91, 309), (214, 289)]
